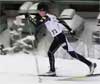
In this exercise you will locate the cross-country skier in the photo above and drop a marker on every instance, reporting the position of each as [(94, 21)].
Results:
[(55, 27)]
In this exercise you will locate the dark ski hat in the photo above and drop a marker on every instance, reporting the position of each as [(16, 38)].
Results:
[(43, 6)]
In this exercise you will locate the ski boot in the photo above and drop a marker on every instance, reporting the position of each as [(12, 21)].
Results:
[(92, 67)]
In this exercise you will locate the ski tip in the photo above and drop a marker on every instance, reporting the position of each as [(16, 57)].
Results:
[(47, 75), (89, 75)]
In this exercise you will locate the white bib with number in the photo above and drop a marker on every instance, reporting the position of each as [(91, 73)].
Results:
[(53, 26)]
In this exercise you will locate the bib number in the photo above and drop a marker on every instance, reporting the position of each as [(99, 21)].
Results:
[(54, 31)]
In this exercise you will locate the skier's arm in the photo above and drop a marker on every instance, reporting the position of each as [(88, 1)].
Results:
[(37, 20), (28, 17), (65, 24), (61, 22), (72, 32)]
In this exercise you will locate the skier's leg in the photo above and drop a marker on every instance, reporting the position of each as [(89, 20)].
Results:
[(58, 40), (74, 54), (71, 51), (54, 46), (91, 65), (79, 57)]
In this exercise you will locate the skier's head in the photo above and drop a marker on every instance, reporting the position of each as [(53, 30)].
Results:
[(42, 8)]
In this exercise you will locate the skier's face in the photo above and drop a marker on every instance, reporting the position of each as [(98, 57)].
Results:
[(42, 13)]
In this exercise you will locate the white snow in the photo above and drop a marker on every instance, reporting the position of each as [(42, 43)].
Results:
[(20, 68), (68, 13), (25, 6), (98, 16)]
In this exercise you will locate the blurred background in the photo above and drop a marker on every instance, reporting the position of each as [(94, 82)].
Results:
[(87, 10)]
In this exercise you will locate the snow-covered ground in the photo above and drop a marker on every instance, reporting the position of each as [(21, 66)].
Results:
[(20, 68)]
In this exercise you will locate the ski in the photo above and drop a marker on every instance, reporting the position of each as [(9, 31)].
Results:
[(79, 78), (70, 78), (93, 75), (88, 75), (43, 75)]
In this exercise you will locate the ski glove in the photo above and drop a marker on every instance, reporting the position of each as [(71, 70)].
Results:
[(38, 20), (72, 32), (44, 19)]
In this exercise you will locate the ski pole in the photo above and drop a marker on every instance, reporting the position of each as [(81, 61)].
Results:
[(36, 59)]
